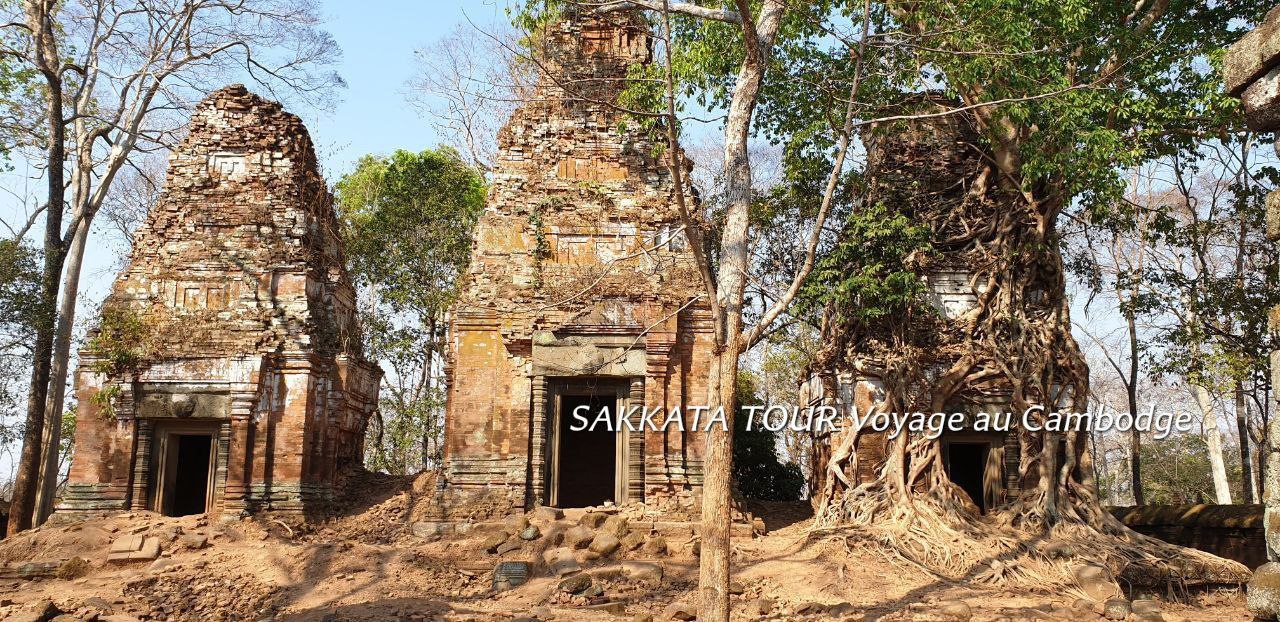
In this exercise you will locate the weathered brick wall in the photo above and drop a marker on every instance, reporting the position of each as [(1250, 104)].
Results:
[(579, 270), (250, 325), (1229, 531)]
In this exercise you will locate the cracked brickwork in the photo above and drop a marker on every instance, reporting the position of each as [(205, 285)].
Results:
[(237, 279), (579, 274)]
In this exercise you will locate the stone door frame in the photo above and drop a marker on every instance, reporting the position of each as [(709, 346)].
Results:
[(163, 434), (560, 387)]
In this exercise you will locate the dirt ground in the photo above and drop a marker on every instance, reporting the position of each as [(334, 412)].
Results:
[(367, 565)]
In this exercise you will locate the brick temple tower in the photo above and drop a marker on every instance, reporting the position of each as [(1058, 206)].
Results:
[(581, 292), (244, 386)]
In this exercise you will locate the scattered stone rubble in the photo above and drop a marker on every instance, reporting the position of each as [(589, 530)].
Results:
[(204, 597)]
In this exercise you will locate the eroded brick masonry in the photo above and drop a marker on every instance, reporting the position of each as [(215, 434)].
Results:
[(581, 291), (251, 391)]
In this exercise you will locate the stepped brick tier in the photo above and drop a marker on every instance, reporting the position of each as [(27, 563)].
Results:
[(581, 292), (245, 386), (1251, 71)]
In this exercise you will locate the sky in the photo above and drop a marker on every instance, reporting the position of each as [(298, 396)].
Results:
[(378, 39)]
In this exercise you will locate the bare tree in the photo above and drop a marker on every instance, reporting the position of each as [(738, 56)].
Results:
[(1117, 266), (467, 84), (136, 189), (119, 77)]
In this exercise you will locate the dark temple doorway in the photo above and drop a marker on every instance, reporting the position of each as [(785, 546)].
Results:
[(587, 470), (967, 467), (188, 482)]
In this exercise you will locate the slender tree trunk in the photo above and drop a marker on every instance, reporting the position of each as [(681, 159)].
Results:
[(1135, 435), (58, 373), (428, 427), (1213, 436), (25, 482), (1242, 427)]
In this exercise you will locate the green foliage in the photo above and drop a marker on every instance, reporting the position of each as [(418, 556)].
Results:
[(20, 97), (758, 472), (20, 274), (1212, 299), (1175, 471), (1121, 93), (408, 221), (120, 344), (105, 398), (867, 275)]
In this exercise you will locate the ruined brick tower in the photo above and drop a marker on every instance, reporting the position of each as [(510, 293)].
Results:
[(580, 293), (239, 382)]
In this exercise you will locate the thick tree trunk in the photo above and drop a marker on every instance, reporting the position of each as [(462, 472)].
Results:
[(1213, 437), (58, 374), (25, 481), (731, 283), (717, 519)]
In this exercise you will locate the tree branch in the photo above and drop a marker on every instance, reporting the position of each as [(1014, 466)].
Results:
[(683, 8)]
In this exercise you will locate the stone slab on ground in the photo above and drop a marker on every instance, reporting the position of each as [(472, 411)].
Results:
[(134, 548)]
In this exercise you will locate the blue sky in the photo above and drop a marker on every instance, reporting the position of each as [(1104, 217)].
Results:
[(378, 39)]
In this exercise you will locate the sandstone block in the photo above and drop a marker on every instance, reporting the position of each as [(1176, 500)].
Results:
[(680, 611), (611, 608), (1263, 592), (134, 548), (578, 537), (758, 608), (560, 561), (1096, 582), (515, 524), (616, 526), (1253, 55), (1116, 609), (491, 544), (195, 541), (593, 520), (546, 514), (955, 610), (575, 584), (604, 544), (632, 541), (655, 546), (429, 529), (642, 571), (1261, 103)]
